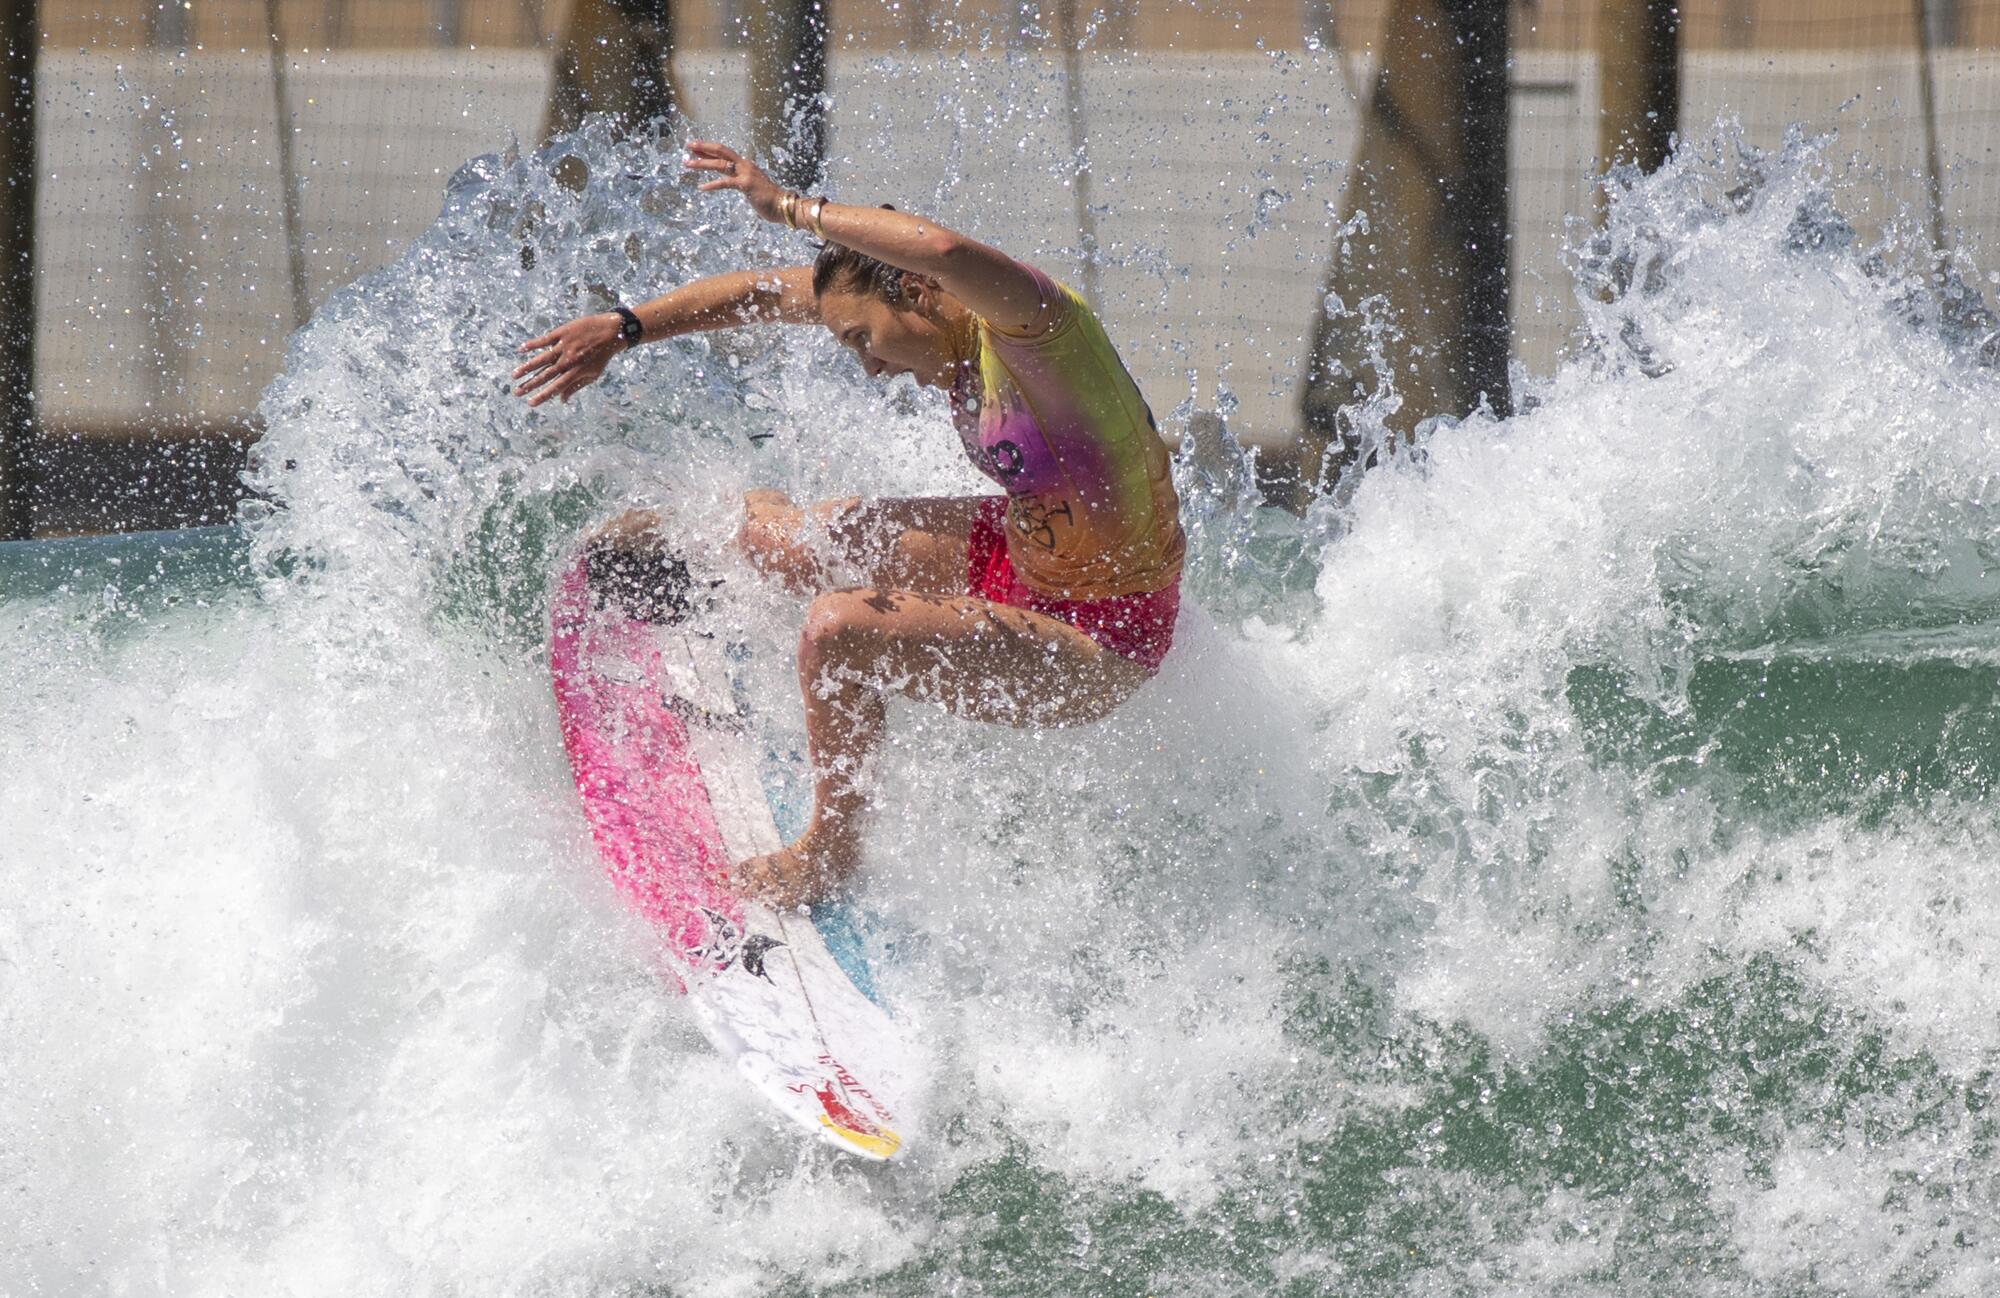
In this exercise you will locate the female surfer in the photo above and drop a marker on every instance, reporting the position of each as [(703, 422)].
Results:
[(1046, 606)]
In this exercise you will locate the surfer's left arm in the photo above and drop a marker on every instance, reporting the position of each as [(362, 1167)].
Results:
[(993, 285)]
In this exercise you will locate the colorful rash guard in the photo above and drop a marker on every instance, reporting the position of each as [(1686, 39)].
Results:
[(1059, 423)]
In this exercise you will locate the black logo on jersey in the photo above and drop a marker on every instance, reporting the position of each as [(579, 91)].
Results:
[(1036, 522), (1006, 459)]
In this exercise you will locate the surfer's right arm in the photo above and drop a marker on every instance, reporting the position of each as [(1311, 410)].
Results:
[(573, 356)]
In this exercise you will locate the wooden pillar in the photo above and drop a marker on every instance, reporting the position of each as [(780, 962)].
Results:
[(19, 38), (167, 26), (1486, 235), (1431, 175), (447, 23), (614, 56), (788, 89), (1638, 81), (288, 172), (1071, 40), (164, 212), (1926, 22)]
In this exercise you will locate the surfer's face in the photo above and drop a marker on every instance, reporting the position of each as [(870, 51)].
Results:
[(910, 336)]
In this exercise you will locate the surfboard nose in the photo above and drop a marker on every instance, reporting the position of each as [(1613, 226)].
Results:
[(665, 759), (647, 585)]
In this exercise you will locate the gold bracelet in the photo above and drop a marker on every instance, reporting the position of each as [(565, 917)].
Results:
[(788, 209), (818, 209)]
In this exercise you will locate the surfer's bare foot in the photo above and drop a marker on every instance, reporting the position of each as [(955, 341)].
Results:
[(804, 871)]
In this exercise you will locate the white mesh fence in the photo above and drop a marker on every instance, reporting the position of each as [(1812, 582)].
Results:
[(1214, 173)]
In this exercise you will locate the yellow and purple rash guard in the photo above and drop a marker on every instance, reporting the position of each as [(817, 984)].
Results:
[(1091, 507)]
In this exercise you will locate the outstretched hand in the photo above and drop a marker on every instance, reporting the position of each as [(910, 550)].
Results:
[(572, 357), (734, 171)]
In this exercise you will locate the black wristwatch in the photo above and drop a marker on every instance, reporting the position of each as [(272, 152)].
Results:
[(631, 330)]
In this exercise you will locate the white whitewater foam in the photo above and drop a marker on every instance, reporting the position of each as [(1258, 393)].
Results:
[(312, 984)]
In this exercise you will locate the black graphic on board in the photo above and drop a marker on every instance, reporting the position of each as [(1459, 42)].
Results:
[(727, 945), (724, 941), (754, 949)]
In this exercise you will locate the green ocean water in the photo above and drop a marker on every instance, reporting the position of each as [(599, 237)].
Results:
[(1623, 1112)]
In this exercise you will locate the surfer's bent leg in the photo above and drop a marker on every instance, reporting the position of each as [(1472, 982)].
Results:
[(635, 529), (978, 659), (915, 543)]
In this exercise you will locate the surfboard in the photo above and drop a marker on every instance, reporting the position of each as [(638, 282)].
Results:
[(665, 761)]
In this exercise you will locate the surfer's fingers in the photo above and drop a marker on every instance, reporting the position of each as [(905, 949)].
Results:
[(540, 362), (707, 155), (535, 382), (558, 383)]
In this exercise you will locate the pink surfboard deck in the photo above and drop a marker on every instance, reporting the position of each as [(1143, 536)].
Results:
[(667, 772)]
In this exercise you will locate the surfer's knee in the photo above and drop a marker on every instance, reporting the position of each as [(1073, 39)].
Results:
[(795, 543), (837, 625), (769, 528), (632, 530), (759, 501), (765, 506)]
